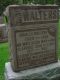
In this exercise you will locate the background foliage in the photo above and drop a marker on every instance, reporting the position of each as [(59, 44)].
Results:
[(42, 1), (5, 3)]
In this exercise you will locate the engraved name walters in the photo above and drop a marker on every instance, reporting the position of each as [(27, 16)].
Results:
[(35, 15)]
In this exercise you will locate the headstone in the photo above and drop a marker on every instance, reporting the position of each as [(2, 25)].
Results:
[(1, 19), (3, 33), (32, 35)]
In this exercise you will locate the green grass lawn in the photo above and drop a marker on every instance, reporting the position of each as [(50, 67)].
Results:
[(4, 54), (58, 51)]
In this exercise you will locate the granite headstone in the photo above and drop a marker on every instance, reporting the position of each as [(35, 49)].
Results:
[(1, 20), (32, 35), (3, 33)]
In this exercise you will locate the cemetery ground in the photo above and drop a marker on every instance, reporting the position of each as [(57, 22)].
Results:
[(4, 54), (4, 57)]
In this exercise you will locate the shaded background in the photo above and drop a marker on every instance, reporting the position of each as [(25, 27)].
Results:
[(5, 3)]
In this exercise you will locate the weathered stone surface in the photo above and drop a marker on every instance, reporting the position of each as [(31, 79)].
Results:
[(3, 33), (1, 19), (48, 72), (32, 35)]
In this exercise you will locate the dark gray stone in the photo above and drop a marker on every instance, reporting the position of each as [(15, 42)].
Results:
[(3, 33)]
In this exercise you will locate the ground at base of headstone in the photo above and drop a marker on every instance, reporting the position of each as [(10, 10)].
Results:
[(48, 72)]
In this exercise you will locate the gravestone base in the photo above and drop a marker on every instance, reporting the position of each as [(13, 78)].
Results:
[(47, 72)]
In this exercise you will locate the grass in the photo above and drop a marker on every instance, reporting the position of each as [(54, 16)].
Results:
[(58, 40), (4, 54)]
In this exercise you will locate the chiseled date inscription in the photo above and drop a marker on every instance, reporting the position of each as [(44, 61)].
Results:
[(35, 45)]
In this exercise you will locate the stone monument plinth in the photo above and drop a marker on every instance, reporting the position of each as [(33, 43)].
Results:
[(47, 72)]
